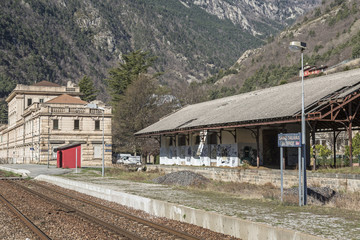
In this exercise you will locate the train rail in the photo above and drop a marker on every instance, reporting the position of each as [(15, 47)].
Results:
[(40, 234), (81, 214), (119, 213)]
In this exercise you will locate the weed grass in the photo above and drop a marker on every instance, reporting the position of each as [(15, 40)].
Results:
[(8, 174), (343, 170), (130, 174)]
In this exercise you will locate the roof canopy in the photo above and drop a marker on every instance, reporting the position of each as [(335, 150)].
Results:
[(267, 106)]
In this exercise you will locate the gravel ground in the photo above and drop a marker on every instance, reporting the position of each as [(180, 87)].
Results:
[(325, 223), (53, 220), (11, 227)]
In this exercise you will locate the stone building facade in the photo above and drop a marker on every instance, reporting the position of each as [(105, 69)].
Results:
[(44, 116)]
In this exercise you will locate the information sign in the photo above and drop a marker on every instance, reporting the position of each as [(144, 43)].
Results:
[(289, 140)]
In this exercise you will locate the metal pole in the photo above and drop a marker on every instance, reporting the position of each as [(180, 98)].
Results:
[(299, 164), (303, 169), (303, 130), (281, 167), (103, 145)]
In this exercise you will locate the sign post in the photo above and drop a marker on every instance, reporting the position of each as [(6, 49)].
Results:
[(290, 140), (281, 167)]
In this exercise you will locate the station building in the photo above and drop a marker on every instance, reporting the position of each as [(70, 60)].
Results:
[(45, 116), (244, 128)]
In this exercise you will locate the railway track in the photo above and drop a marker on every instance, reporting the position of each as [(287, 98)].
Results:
[(119, 231), (167, 230), (33, 228), (163, 231)]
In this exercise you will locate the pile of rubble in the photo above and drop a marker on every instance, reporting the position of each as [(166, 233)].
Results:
[(182, 178), (316, 195)]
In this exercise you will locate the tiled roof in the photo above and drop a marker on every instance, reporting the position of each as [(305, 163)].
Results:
[(46, 84), (66, 99), (282, 101)]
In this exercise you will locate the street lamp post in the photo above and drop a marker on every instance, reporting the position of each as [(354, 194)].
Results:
[(95, 106), (103, 144), (300, 47)]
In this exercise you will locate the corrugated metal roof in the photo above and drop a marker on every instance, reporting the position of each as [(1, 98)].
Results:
[(271, 103), (66, 99)]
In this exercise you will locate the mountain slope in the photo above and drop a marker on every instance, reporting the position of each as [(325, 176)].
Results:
[(59, 40), (332, 34), (259, 17)]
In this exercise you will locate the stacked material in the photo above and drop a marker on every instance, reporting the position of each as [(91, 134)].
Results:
[(182, 178)]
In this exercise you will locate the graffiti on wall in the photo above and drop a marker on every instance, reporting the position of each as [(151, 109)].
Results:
[(227, 155), (248, 155), (217, 155)]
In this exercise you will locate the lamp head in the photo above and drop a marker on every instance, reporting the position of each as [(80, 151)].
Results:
[(297, 46)]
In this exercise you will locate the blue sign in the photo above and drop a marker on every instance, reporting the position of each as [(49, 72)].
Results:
[(107, 145), (289, 140), (108, 150)]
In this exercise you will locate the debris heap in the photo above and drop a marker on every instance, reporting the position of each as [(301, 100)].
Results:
[(182, 178)]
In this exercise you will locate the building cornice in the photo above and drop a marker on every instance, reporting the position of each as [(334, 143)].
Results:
[(39, 92)]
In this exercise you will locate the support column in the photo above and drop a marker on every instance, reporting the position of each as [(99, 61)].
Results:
[(257, 148), (313, 131), (334, 147), (335, 139), (350, 135), (350, 144), (220, 136)]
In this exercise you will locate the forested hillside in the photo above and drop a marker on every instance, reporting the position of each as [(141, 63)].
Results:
[(59, 40), (64, 40)]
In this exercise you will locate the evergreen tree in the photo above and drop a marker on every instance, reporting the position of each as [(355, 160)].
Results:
[(143, 103), (87, 88), (3, 112), (134, 64)]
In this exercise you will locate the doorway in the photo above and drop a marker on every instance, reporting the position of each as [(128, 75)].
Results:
[(271, 149)]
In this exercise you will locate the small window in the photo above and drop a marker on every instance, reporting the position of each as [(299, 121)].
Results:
[(29, 102), (41, 100), (97, 124), (76, 124), (97, 151), (56, 124)]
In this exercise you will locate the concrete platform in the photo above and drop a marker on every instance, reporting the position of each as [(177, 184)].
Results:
[(34, 170)]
